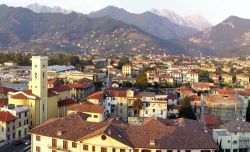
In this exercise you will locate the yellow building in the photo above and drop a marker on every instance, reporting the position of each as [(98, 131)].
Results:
[(242, 79), (227, 79), (43, 102), (75, 134), (127, 69)]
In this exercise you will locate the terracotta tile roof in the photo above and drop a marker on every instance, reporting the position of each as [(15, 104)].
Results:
[(66, 102), (3, 102), (80, 85), (201, 85), (116, 92), (5, 90), (95, 95), (194, 98), (225, 91), (87, 107), (51, 94), (60, 88), (170, 134), (182, 88), (25, 94), (238, 126), (212, 120), (245, 92), (52, 81), (6, 116)]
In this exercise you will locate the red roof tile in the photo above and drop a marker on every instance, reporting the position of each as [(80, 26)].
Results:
[(95, 95), (5, 90), (66, 102), (87, 107), (3, 102), (6, 116), (60, 88)]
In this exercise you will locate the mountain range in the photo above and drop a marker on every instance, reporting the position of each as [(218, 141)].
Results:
[(22, 29), (149, 22), (229, 38), (46, 9), (196, 21), (114, 29)]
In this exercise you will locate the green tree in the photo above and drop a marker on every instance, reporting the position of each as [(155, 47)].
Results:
[(186, 110), (172, 116), (98, 85), (248, 112), (123, 60), (137, 106), (141, 80)]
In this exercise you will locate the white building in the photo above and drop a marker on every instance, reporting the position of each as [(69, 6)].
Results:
[(154, 105), (22, 122), (235, 137)]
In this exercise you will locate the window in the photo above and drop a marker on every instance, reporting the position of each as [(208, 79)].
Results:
[(13, 127), (95, 116), (65, 144), (14, 135), (169, 150), (38, 138), (53, 150), (54, 142), (20, 124), (86, 147), (36, 75), (113, 149), (103, 149), (188, 150), (19, 133), (93, 148), (122, 150), (43, 75), (38, 149), (74, 145), (19, 115), (136, 150)]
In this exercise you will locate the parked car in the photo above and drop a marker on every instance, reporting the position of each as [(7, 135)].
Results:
[(27, 142), (18, 142)]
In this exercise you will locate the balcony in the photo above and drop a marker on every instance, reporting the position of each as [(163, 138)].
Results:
[(244, 138), (244, 146)]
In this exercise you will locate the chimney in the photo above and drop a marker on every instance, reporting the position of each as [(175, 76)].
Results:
[(152, 142), (59, 133)]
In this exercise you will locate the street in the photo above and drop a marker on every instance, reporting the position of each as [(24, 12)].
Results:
[(15, 148)]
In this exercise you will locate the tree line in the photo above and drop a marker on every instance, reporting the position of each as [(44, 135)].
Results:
[(23, 59)]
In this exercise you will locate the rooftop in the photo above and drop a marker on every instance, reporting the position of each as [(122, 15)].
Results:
[(170, 134)]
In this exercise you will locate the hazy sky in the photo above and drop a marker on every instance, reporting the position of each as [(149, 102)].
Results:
[(214, 10)]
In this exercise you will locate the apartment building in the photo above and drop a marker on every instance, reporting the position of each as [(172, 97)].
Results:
[(242, 79), (126, 69), (22, 119), (7, 127), (234, 136)]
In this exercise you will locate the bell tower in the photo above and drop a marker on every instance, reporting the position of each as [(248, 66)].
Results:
[(39, 83)]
